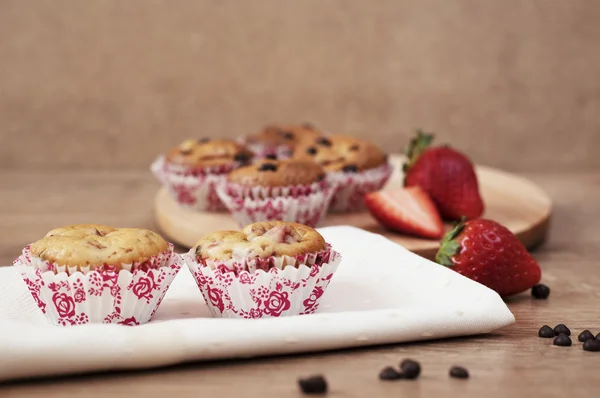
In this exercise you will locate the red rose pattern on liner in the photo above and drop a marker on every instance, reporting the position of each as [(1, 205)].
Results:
[(351, 187), (274, 293), (126, 298)]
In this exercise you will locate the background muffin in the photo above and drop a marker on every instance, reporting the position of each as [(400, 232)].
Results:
[(278, 140), (95, 273), (355, 166), (191, 170), (256, 272), (285, 190)]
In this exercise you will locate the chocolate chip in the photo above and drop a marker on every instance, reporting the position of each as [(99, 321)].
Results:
[(562, 340), (353, 147), (271, 156), (540, 291), (313, 385), (350, 168), (323, 141), (410, 369), (321, 177), (203, 140), (311, 150), (389, 373), (561, 328), (241, 157), (287, 135), (186, 151), (585, 336), (267, 167), (546, 332), (591, 345), (458, 372), (598, 336)]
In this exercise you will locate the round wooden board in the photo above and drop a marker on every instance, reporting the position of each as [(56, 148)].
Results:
[(511, 200)]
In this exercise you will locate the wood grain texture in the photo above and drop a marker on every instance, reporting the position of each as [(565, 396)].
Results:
[(512, 362), (512, 200), (111, 83)]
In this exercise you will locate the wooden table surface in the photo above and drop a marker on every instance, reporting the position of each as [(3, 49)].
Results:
[(510, 362)]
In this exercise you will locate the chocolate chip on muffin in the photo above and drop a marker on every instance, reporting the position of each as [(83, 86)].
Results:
[(278, 173)]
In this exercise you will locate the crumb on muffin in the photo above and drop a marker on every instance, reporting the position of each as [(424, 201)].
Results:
[(275, 173), (98, 245), (262, 239), (209, 152)]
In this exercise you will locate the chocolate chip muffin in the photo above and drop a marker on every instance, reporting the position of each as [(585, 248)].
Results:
[(277, 141), (191, 170), (284, 190), (255, 272), (95, 273), (355, 166)]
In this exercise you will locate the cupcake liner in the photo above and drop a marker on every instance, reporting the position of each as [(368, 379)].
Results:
[(351, 187), (302, 204), (232, 289), (99, 296), (192, 188)]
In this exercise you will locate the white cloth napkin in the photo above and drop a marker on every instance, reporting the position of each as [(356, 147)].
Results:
[(381, 294)]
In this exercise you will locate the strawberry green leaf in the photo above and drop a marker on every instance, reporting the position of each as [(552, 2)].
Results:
[(450, 245), (416, 147)]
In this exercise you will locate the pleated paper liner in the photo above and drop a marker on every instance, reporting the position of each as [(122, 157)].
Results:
[(351, 187)]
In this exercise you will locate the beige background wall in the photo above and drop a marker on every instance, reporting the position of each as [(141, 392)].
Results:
[(110, 83)]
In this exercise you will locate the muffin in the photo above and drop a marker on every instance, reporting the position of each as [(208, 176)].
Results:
[(355, 166), (278, 141), (191, 170), (269, 269), (92, 273), (284, 190)]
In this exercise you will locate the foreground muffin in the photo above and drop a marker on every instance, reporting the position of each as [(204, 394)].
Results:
[(355, 166), (98, 274), (277, 141), (269, 269), (284, 190), (191, 170)]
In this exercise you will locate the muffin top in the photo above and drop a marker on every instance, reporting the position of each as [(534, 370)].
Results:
[(261, 239), (276, 173), (97, 245), (206, 152), (338, 152), (280, 134)]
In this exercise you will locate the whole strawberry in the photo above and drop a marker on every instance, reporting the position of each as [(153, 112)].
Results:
[(446, 175), (490, 254)]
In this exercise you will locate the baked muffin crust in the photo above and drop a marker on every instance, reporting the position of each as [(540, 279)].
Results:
[(96, 245), (283, 134), (275, 173), (206, 153), (262, 240)]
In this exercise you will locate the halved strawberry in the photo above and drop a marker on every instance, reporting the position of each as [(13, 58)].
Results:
[(408, 210)]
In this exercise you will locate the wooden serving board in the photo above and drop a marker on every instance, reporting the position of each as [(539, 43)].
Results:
[(511, 200)]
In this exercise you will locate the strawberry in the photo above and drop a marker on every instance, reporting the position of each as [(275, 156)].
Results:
[(490, 254), (446, 175), (407, 210)]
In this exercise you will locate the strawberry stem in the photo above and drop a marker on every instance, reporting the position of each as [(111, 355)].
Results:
[(416, 147), (449, 245)]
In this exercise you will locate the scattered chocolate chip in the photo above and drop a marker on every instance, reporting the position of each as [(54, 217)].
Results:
[(203, 140), (287, 135), (389, 373), (350, 168), (410, 369), (591, 345), (321, 177), (540, 291), (313, 385), (271, 156), (562, 340), (458, 372), (598, 336), (267, 167), (97, 232), (311, 150), (324, 141), (353, 147), (585, 336), (561, 328), (241, 157), (546, 332)]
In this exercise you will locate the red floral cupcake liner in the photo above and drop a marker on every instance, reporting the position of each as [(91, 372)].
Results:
[(267, 288), (127, 297), (302, 204), (194, 188), (352, 187)]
